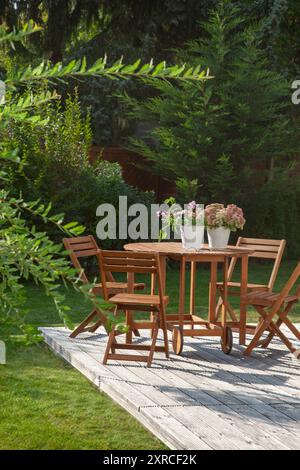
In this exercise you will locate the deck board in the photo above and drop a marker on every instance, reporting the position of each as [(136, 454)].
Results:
[(202, 399)]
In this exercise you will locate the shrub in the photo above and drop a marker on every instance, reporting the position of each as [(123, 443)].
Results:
[(25, 252), (273, 211), (55, 167), (230, 138)]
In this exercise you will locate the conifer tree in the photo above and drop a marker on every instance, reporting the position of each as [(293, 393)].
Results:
[(222, 130)]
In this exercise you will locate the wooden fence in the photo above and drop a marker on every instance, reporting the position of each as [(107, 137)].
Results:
[(134, 174)]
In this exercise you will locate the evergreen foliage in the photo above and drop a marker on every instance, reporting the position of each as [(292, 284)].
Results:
[(26, 252), (232, 133)]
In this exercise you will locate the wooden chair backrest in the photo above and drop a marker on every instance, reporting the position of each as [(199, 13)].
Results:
[(287, 288), (81, 247), (131, 262), (263, 249), (291, 282)]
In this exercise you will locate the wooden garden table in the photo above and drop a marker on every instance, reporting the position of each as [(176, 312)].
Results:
[(211, 326)]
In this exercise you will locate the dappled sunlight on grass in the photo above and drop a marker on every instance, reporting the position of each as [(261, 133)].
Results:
[(49, 405), (42, 310)]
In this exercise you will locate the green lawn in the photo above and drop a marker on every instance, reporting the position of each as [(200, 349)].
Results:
[(46, 404), (42, 311), (49, 405)]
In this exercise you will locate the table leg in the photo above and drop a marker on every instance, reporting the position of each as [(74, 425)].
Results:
[(163, 269), (182, 291), (243, 292), (192, 288), (213, 291), (225, 295), (129, 319), (153, 284), (152, 292), (177, 331)]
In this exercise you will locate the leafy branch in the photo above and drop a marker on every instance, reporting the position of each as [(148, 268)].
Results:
[(16, 36), (78, 68), (20, 109), (25, 252)]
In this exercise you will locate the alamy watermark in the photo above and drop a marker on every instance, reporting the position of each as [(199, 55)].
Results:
[(140, 222), (296, 93), (2, 353), (2, 92)]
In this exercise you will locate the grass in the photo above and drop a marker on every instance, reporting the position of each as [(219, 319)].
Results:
[(42, 311), (46, 404), (49, 405)]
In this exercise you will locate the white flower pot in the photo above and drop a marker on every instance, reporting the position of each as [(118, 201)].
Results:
[(192, 236), (218, 238)]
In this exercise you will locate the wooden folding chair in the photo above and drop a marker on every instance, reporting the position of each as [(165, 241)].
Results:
[(270, 305), (264, 249), (132, 262), (86, 246)]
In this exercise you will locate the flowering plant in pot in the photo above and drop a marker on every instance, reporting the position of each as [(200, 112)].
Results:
[(188, 223), (220, 221)]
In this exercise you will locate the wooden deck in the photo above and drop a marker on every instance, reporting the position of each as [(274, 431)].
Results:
[(203, 399)]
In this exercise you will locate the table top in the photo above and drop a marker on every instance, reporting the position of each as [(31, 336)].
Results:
[(176, 249)]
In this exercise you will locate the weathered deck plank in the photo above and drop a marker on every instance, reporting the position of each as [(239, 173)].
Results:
[(257, 384), (203, 399)]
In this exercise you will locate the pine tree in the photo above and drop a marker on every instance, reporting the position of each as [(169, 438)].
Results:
[(221, 130)]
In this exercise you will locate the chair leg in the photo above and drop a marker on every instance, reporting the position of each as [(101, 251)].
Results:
[(152, 319), (292, 328), (152, 348), (265, 343), (128, 314), (231, 312), (282, 319), (110, 342), (229, 309), (267, 323), (95, 326), (80, 328), (113, 345), (163, 325), (166, 341), (282, 336), (152, 314), (218, 308), (258, 332)]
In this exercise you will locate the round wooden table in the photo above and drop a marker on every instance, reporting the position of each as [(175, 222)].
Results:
[(183, 324)]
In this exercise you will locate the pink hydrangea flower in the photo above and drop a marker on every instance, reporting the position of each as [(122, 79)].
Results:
[(231, 216)]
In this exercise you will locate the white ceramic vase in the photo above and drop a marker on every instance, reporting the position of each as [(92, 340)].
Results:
[(218, 238), (192, 236)]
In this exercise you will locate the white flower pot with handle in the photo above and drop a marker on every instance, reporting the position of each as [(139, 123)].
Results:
[(218, 238), (192, 236)]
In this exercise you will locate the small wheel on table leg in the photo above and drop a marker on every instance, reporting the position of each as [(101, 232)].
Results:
[(177, 340), (227, 345)]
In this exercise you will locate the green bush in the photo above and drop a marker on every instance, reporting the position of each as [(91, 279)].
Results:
[(55, 167), (229, 139), (273, 211), (51, 150)]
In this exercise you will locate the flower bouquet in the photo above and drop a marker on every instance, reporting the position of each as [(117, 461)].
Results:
[(188, 222), (220, 221)]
